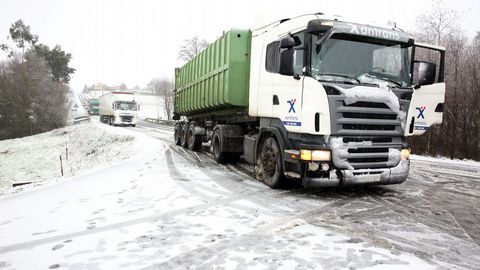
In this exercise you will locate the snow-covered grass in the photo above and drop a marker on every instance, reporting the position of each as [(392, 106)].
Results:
[(37, 158)]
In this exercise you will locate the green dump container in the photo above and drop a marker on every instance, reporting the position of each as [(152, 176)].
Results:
[(216, 79)]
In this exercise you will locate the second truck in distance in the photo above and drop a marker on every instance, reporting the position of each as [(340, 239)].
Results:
[(118, 108), (312, 98)]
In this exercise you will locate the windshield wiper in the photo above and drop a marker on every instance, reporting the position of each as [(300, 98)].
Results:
[(340, 75), (399, 84)]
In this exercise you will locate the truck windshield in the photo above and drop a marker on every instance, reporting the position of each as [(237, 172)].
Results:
[(361, 60), (126, 106)]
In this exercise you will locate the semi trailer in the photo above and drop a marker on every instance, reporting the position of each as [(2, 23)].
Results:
[(312, 98), (118, 108)]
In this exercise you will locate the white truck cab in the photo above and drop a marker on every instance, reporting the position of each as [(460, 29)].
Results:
[(118, 108), (341, 98)]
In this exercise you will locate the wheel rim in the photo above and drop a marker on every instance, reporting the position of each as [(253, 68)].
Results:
[(269, 162)]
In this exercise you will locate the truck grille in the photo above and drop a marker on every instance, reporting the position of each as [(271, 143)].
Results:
[(366, 118), (126, 118), (368, 152), (369, 134)]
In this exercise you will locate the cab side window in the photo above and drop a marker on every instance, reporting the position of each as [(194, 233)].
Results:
[(272, 60)]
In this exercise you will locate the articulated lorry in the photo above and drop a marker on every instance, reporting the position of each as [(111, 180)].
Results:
[(312, 98), (118, 108)]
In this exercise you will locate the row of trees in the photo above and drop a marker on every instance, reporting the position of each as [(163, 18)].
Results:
[(33, 85), (459, 134)]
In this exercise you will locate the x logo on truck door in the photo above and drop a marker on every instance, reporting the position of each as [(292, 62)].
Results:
[(292, 105), (420, 112)]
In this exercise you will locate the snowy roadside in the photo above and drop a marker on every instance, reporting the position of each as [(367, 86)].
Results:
[(464, 162), (90, 146)]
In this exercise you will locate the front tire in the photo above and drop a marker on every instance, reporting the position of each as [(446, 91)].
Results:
[(269, 167)]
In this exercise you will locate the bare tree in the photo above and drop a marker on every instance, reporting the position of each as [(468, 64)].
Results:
[(163, 87), (438, 23), (191, 48)]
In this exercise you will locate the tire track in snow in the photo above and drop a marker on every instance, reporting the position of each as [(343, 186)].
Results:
[(118, 225)]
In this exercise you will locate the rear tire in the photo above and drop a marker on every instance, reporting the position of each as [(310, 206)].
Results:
[(194, 141), (177, 132), (269, 167), (218, 155), (183, 135)]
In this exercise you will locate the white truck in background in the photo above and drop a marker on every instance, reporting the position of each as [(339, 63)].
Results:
[(118, 108)]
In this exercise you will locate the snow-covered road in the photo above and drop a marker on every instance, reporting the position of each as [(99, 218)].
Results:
[(168, 208)]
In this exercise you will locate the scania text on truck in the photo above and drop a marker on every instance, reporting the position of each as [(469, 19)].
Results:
[(312, 98), (118, 108)]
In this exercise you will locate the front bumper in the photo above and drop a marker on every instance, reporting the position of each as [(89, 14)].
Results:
[(125, 120), (388, 176)]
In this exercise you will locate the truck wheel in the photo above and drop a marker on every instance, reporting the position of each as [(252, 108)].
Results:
[(194, 141), (183, 135), (218, 155), (269, 167), (177, 132)]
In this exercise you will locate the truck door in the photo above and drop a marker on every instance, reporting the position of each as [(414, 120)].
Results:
[(426, 106), (287, 90)]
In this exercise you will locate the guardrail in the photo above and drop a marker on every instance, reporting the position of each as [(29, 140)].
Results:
[(81, 119), (160, 121)]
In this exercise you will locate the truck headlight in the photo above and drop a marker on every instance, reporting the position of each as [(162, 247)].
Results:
[(321, 155), (305, 155), (405, 154), (315, 155)]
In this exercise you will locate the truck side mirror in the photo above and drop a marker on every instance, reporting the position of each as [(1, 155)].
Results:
[(287, 43), (426, 73), (319, 26), (286, 62), (286, 56), (113, 105)]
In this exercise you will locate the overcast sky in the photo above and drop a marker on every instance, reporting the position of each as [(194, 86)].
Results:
[(132, 42)]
